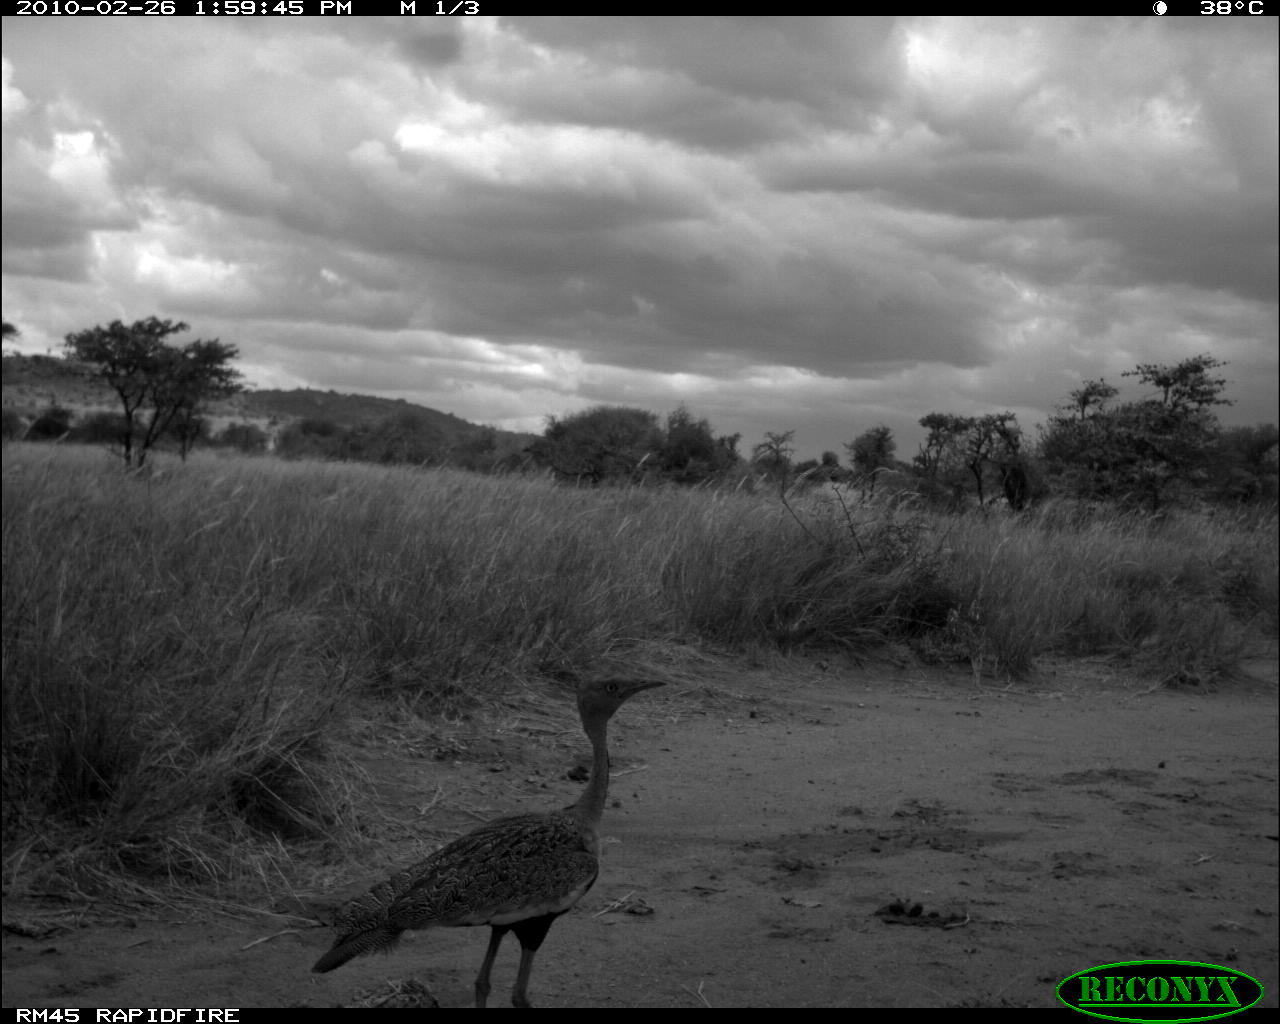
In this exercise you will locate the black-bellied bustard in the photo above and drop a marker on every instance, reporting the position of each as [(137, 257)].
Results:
[(514, 874)]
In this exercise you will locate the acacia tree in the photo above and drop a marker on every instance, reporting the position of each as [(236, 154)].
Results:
[(157, 384), (599, 443), (957, 447), (690, 451), (990, 440), (1092, 394), (201, 372), (773, 455), (872, 451), (1185, 386), (939, 448), (1137, 451), (1019, 477), (940, 457), (612, 442)]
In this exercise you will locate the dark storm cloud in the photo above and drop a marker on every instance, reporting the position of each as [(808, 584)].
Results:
[(832, 219)]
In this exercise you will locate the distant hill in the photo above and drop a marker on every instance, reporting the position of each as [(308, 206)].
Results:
[(32, 383), (345, 410)]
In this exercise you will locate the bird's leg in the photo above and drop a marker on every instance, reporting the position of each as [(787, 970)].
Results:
[(482, 979), (530, 933), (518, 995)]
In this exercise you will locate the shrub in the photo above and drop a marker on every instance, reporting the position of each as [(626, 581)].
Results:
[(51, 424), (244, 437)]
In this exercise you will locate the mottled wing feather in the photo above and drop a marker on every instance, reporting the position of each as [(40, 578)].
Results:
[(508, 870)]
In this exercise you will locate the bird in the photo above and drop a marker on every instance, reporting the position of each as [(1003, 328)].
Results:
[(515, 873)]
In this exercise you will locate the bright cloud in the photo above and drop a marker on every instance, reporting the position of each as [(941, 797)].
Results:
[(809, 224)]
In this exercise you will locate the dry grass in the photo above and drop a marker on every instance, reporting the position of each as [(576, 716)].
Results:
[(179, 648)]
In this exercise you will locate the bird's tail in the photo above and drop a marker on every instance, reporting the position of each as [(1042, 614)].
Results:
[(355, 944)]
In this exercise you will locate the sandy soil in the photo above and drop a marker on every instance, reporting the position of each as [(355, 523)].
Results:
[(759, 823)]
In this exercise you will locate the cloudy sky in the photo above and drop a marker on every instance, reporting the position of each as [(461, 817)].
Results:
[(802, 224)]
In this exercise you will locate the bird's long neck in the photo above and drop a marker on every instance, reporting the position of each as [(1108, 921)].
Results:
[(590, 806)]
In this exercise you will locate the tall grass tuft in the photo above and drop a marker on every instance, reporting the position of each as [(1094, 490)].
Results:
[(161, 686), (1181, 598)]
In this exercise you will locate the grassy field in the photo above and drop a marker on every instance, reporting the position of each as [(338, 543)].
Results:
[(179, 648)]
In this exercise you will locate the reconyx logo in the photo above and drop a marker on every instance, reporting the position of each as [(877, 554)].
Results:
[(1164, 990)]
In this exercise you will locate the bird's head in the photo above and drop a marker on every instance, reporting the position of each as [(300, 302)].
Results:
[(600, 698)]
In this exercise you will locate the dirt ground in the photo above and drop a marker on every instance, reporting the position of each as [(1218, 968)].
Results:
[(757, 824)]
